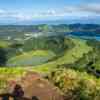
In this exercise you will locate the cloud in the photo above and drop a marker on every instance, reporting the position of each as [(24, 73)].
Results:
[(90, 8), (93, 8), (69, 12), (4, 14), (73, 11), (2, 11)]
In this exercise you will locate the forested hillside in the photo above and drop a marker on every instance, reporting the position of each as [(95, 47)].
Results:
[(69, 62)]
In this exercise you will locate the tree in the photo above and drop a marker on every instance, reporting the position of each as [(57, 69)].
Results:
[(3, 57)]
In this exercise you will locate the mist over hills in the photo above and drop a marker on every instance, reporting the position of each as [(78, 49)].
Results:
[(92, 20)]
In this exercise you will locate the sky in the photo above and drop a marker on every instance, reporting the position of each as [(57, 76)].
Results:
[(19, 11)]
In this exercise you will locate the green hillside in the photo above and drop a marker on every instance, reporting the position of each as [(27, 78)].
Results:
[(58, 69), (4, 44), (70, 56), (31, 58)]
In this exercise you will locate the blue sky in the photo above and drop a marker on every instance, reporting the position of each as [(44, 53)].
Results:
[(12, 11)]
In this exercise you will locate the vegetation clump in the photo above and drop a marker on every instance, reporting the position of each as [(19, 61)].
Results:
[(76, 85)]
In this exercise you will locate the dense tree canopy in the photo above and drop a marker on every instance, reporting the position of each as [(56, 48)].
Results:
[(3, 57)]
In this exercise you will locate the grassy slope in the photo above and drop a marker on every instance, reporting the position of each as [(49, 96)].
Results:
[(29, 56), (3, 44), (69, 57)]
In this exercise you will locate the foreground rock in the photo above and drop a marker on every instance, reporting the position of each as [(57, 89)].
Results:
[(32, 85)]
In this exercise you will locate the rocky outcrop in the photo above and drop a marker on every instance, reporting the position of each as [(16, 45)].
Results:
[(33, 86)]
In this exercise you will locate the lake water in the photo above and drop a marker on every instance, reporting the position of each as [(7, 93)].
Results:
[(36, 60), (85, 35)]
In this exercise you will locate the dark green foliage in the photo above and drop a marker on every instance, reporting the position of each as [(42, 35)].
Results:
[(3, 57), (55, 44), (34, 98), (75, 85), (16, 45), (14, 49)]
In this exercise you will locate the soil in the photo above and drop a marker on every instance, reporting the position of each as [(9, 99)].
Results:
[(34, 85)]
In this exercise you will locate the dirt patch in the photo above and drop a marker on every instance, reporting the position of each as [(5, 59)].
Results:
[(34, 85)]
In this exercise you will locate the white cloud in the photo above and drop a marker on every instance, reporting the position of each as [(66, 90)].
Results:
[(75, 11), (90, 8), (93, 8), (14, 15), (2, 11), (79, 11)]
